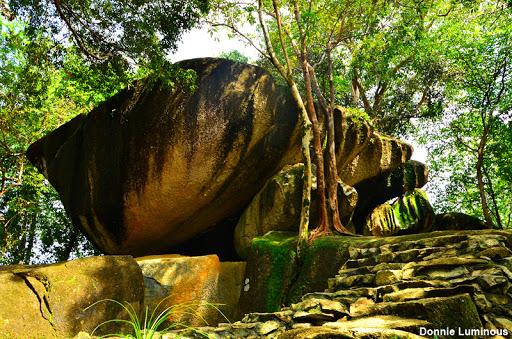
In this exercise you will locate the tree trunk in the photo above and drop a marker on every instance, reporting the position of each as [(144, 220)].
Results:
[(306, 122), (70, 245), (332, 169), (497, 215), (307, 137), (480, 178), (322, 226), (29, 244)]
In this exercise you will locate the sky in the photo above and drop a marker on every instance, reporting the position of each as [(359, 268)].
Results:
[(198, 43)]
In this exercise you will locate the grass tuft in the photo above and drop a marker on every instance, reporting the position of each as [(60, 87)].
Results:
[(156, 321)]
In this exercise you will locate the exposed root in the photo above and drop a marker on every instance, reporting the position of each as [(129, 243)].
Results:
[(318, 232), (338, 226)]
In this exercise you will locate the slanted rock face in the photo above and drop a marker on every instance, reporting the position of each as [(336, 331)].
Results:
[(362, 153), (152, 167)]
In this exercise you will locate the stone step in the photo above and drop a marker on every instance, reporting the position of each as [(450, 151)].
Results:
[(409, 294), (322, 332), (333, 307), (434, 241), (381, 321), (360, 280), (284, 316), (351, 294), (441, 312)]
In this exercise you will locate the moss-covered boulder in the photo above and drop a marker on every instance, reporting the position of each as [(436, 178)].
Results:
[(275, 277), (54, 301), (271, 268), (277, 207), (411, 213), (390, 184)]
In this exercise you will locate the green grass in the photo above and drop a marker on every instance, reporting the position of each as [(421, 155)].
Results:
[(156, 321)]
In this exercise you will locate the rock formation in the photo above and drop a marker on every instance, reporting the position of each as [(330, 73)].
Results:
[(388, 288), (60, 300), (411, 213), (153, 167), (202, 290)]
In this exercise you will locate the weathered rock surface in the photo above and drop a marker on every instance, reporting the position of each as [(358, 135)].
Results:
[(53, 300), (457, 221), (203, 290), (363, 153), (393, 287), (411, 213), (277, 207), (153, 167)]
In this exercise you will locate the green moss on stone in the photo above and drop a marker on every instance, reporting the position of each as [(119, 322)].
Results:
[(279, 249), (319, 262), (411, 212)]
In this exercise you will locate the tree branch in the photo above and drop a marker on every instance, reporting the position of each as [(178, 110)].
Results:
[(242, 35), (75, 34)]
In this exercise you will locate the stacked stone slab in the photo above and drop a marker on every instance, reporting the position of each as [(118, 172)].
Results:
[(393, 290)]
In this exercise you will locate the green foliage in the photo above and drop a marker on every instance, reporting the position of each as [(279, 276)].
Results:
[(36, 96), (477, 119), (234, 55), (155, 321), (112, 30)]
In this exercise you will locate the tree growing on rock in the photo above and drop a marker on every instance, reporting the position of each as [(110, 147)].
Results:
[(323, 51)]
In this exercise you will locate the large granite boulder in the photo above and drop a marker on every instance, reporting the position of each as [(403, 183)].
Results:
[(60, 300), (153, 167)]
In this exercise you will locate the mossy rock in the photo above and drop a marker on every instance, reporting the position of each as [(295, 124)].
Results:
[(278, 205), (321, 261), (457, 221), (271, 266), (275, 277), (411, 213), (388, 185)]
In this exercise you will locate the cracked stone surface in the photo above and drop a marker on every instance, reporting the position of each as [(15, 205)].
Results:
[(55, 300), (390, 290)]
